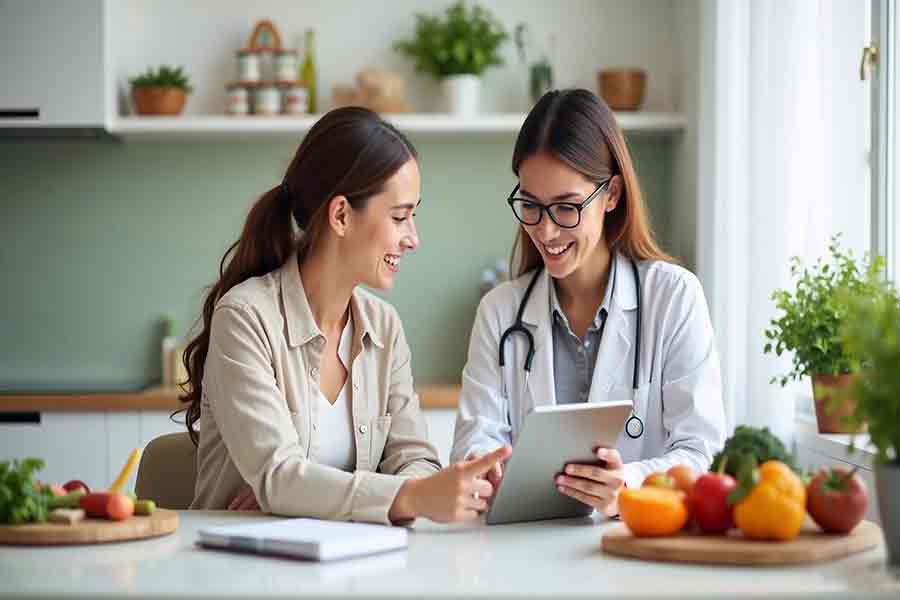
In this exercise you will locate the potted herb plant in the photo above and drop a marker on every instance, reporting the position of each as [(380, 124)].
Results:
[(160, 91), (456, 50), (810, 328), (873, 335)]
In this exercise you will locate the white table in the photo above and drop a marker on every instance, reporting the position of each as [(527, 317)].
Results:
[(547, 559)]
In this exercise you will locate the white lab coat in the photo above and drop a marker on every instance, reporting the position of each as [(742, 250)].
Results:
[(679, 397)]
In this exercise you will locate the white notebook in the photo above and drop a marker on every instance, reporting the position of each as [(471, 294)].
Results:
[(309, 539)]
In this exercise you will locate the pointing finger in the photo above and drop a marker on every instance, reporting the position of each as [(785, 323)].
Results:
[(484, 464)]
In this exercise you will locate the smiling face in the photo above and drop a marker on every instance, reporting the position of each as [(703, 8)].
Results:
[(544, 179), (381, 233)]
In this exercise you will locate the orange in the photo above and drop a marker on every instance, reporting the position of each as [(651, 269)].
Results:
[(653, 511), (684, 477), (659, 479)]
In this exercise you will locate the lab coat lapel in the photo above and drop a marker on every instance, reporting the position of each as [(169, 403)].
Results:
[(541, 384), (618, 334), (614, 349)]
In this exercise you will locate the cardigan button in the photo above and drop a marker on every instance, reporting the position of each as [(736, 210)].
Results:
[(363, 429)]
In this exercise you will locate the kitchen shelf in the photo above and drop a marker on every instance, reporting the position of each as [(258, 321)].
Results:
[(223, 127)]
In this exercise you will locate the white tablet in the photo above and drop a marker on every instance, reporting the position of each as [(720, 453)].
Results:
[(551, 438)]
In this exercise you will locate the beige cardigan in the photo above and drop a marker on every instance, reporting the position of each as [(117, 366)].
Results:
[(259, 421)]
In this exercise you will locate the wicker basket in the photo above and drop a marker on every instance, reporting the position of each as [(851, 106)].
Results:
[(622, 89)]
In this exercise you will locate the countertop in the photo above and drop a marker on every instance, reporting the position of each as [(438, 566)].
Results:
[(547, 559), (431, 396)]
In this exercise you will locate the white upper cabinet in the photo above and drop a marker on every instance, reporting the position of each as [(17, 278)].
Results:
[(52, 64)]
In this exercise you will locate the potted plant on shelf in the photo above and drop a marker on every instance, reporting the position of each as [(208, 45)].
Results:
[(456, 50), (873, 335), (160, 92), (810, 328)]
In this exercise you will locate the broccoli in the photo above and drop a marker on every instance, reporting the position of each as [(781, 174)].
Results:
[(751, 442)]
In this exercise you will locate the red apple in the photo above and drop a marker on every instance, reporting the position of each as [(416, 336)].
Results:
[(836, 499), (76, 485), (709, 502)]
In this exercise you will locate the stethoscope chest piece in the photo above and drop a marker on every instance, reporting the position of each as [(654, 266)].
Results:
[(634, 427)]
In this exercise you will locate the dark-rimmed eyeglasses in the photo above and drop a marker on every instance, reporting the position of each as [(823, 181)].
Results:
[(565, 214)]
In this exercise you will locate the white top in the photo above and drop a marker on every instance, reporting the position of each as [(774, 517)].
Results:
[(679, 395), (551, 559), (338, 447)]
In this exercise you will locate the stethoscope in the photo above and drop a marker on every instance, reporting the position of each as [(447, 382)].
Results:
[(634, 426)]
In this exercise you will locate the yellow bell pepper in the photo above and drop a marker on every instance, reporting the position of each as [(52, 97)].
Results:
[(776, 506)]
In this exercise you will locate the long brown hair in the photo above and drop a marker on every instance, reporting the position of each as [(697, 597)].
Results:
[(349, 152), (579, 129)]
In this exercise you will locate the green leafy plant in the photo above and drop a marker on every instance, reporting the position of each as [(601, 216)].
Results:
[(465, 42), (165, 76), (21, 499), (873, 336), (814, 312), (752, 446)]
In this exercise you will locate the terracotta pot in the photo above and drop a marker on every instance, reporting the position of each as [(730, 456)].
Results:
[(158, 100), (622, 89), (829, 413)]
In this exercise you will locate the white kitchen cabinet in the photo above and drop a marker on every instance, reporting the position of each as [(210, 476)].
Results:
[(53, 65), (94, 446), (73, 446), (440, 430)]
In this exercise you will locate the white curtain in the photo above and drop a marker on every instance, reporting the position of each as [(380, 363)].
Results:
[(783, 140)]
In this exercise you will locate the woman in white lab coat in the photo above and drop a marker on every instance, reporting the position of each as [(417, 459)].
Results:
[(584, 240)]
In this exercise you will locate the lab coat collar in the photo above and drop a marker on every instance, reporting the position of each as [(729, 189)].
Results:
[(556, 309), (538, 314), (626, 292)]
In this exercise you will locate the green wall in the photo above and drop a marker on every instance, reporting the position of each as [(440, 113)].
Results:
[(100, 238)]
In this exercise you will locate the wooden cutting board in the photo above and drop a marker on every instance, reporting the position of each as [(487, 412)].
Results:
[(810, 546), (90, 531)]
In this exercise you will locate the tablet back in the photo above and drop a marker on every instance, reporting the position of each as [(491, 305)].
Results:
[(551, 438)]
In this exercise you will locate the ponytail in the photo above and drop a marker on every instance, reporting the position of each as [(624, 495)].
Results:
[(266, 242)]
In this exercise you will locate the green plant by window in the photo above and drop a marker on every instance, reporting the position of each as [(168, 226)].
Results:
[(465, 42), (814, 312), (165, 76), (873, 335)]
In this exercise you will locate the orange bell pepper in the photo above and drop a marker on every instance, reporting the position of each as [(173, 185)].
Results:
[(775, 507)]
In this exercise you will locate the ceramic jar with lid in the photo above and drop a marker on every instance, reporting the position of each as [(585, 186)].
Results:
[(286, 66), (248, 66), (296, 100), (268, 100), (237, 100)]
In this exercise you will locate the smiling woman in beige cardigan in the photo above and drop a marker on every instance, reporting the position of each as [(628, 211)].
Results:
[(300, 381)]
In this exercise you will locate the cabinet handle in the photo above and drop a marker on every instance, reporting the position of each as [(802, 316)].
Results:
[(28, 418), (20, 113), (869, 60)]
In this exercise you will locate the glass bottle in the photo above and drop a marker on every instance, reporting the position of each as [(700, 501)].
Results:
[(308, 71)]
